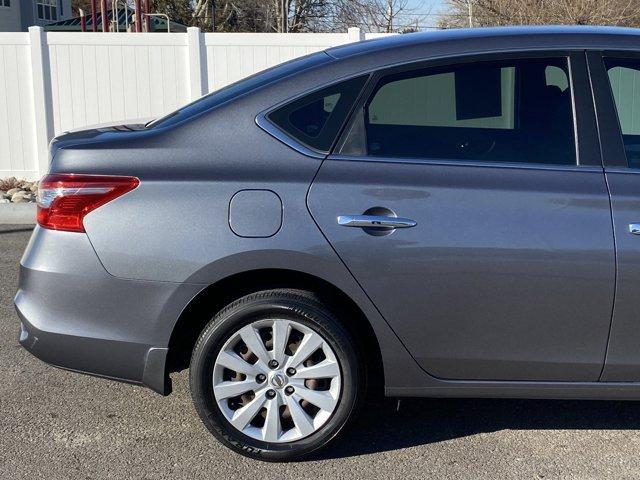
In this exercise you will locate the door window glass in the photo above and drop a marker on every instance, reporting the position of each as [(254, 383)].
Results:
[(507, 111), (624, 77)]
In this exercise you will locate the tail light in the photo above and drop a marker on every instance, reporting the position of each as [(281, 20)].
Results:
[(65, 199)]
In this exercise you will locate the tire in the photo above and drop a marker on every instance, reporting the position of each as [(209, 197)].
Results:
[(278, 432)]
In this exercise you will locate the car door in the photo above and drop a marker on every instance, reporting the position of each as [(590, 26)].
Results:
[(616, 85), (471, 207)]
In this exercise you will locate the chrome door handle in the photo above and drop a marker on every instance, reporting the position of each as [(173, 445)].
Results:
[(634, 228), (375, 221)]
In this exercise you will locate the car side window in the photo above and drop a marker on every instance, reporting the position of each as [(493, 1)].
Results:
[(624, 78), (506, 111), (316, 119)]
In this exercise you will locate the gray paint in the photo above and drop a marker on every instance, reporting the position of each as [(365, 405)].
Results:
[(623, 359), (508, 275), (10, 18), (255, 213), (22, 14), (86, 322)]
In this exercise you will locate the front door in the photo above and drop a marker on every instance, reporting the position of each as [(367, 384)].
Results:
[(479, 226)]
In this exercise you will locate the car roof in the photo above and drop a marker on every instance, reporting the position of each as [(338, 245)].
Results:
[(560, 36)]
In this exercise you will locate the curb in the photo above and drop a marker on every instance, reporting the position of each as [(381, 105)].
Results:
[(18, 213)]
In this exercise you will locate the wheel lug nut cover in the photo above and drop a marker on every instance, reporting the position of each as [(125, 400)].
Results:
[(291, 371), (273, 364), (289, 390), (271, 393)]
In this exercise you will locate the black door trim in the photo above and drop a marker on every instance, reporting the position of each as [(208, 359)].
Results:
[(608, 125)]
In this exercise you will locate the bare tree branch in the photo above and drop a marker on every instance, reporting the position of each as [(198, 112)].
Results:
[(539, 12)]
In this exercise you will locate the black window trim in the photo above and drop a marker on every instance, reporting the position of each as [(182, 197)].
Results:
[(585, 130), (263, 121)]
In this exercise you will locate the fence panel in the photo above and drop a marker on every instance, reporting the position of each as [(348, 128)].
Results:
[(17, 125), (111, 77), (54, 82), (232, 56)]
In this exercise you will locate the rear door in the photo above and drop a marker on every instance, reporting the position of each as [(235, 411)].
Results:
[(616, 85), (468, 200)]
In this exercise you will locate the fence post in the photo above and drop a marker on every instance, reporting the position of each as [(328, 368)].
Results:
[(43, 109), (355, 34), (196, 47)]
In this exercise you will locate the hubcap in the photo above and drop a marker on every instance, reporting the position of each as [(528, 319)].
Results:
[(276, 380)]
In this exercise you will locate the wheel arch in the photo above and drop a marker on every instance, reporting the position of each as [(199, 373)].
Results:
[(214, 297)]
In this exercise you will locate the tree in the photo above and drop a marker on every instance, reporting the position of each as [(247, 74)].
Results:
[(271, 15), (81, 4), (284, 15), (178, 11), (304, 15), (385, 16), (484, 13)]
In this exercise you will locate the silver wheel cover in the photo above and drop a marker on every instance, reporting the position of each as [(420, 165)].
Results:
[(272, 403)]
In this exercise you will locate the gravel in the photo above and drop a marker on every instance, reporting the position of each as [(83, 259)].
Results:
[(13, 190), (60, 425)]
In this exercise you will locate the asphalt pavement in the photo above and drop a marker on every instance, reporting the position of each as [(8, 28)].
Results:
[(60, 425)]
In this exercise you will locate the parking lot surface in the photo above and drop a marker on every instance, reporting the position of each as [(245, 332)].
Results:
[(60, 425)]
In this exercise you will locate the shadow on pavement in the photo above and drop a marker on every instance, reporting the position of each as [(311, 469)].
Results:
[(380, 428), (15, 230)]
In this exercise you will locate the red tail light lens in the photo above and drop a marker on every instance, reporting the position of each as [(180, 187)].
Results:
[(65, 199)]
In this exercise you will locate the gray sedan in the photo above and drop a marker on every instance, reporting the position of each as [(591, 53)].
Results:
[(440, 214)]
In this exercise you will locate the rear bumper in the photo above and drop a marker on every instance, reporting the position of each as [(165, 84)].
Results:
[(121, 361), (76, 316)]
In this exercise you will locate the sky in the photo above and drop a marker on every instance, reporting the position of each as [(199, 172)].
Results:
[(429, 10), (435, 4)]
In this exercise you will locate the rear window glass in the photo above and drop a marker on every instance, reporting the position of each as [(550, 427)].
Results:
[(315, 119)]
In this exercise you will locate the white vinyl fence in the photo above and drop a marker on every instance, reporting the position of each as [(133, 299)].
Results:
[(54, 82)]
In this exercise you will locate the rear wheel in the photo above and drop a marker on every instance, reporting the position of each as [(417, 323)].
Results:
[(274, 375)]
